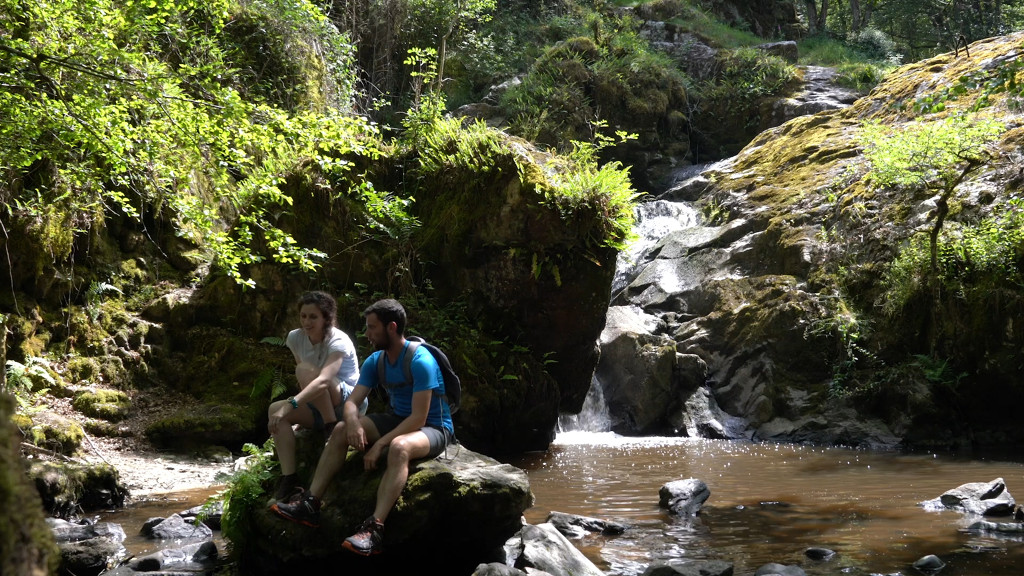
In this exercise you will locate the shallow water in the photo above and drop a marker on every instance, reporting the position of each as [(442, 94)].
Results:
[(769, 503)]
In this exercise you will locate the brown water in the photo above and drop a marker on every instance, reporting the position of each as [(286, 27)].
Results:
[(769, 503)]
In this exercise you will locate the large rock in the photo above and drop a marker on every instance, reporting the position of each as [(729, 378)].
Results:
[(650, 388), (87, 548), (982, 498), (544, 548), (456, 511)]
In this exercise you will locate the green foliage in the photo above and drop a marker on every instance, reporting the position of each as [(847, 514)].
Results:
[(937, 372), (744, 76), (926, 154), (875, 45), (94, 124), (28, 381), (245, 489), (94, 297), (269, 383), (982, 85), (977, 260), (604, 72), (860, 76), (849, 331), (601, 189)]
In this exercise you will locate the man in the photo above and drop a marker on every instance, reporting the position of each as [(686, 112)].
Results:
[(419, 427)]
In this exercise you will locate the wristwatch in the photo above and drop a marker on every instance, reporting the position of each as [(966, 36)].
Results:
[(293, 402)]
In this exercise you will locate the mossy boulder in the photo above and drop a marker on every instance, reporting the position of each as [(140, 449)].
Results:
[(54, 432), (486, 496), (204, 425), (112, 405), (26, 545), (801, 312), (68, 488)]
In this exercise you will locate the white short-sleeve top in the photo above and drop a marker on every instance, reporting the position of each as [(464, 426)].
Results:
[(316, 354)]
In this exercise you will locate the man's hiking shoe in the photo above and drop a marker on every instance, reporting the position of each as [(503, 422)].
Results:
[(368, 540), (287, 487), (304, 510)]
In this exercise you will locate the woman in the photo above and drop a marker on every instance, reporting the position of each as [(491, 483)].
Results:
[(326, 368)]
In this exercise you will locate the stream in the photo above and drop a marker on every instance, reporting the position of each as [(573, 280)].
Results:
[(768, 503)]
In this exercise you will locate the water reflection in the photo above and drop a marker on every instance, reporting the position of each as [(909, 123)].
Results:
[(769, 503)]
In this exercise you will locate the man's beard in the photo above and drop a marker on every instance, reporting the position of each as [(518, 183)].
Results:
[(383, 345)]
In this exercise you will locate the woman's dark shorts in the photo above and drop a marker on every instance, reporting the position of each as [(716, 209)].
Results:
[(439, 437)]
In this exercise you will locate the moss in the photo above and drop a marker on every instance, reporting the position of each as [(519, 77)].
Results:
[(82, 369), (58, 434), (112, 405), (67, 488), (25, 538), (85, 336), (205, 425)]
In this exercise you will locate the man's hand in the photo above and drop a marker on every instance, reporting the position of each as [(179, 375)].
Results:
[(373, 455), (356, 437)]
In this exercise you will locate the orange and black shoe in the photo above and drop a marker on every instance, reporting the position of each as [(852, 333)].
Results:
[(304, 510), (368, 540)]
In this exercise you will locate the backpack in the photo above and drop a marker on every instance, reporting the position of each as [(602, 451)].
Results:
[(452, 384)]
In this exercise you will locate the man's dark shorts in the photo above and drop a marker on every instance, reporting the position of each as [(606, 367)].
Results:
[(439, 437)]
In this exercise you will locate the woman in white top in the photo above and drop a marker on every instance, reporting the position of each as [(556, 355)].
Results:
[(326, 368)]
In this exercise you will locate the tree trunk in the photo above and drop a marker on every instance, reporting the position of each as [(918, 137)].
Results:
[(855, 16), (812, 17)]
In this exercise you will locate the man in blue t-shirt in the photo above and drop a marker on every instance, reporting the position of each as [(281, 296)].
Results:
[(418, 426)]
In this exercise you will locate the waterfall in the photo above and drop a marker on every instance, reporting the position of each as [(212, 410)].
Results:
[(593, 417)]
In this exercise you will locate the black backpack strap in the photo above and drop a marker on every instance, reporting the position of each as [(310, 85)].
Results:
[(382, 379), (407, 364)]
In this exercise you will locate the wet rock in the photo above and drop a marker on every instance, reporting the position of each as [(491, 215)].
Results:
[(174, 527), (542, 547), (779, 569), (191, 558), (574, 526), (684, 497), (210, 515), (689, 568), (929, 564), (983, 498), (64, 531), (1009, 528), (86, 549), (499, 569), (823, 554)]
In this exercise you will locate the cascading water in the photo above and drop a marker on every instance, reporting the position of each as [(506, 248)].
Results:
[(592, 418)]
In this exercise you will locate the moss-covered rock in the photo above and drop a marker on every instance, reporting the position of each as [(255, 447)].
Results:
[(53, 432), (69, 488), (26, 544), (486, 496), (112, 405), (204, 425)]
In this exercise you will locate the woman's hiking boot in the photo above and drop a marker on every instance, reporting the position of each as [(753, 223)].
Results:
[(304, 510), (368, 540)]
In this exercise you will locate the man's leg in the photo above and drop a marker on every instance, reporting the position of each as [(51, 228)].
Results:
[(335, 453), (403, 449), (369, 539)]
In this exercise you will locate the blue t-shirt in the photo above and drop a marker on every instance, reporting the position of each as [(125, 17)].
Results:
[(426, 375)]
